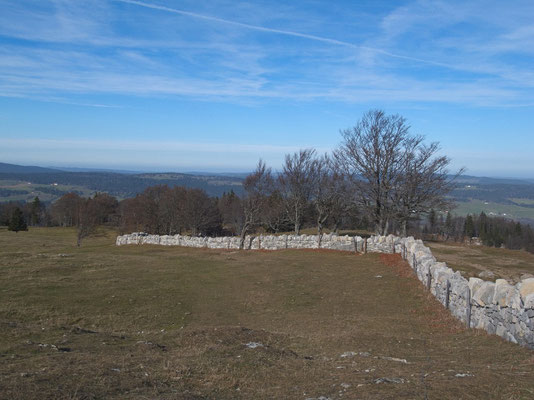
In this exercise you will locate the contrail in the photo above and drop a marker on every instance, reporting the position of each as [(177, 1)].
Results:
[(283, 32)]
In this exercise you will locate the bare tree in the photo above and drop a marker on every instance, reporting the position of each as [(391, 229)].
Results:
[(106, 208), (274, 214), (231, 208), (327, 191), (91, 212), (423, 184), (65, 211), (370, 153), (296, 185), (344, 206), (171, 210), (132, 215), (397, 176), (86, 220), (257, 187), (201, 214)]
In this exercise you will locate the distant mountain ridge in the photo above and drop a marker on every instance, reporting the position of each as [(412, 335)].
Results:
[(21, 169), (482, 180), (52, 183), (76, 169)]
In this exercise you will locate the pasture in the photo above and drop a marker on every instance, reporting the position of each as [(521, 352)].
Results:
[(146, 322)]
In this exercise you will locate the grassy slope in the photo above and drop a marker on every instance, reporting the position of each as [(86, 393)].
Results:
[(471, 260), (156, 322)]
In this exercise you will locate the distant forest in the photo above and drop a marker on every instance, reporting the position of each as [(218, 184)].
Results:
[(496, 192), (122, 185), (165, 210)]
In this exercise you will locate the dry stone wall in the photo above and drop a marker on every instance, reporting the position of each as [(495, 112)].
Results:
[(263, 242), (497, 307)]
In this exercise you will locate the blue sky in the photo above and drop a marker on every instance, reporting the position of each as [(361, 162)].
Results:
[(215, 85)]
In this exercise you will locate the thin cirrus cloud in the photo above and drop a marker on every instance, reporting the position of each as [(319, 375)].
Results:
[(199, 80), (218, 59), (281, 32)]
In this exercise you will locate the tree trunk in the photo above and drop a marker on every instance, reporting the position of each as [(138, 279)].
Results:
[(297, 222), (378, 227), (319, 234), (79, 236), (242, 237), (386, 227)]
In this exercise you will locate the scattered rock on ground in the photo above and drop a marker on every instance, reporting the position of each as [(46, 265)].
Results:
[(253, 345), (389, 380), (464, 375), (401, 360)]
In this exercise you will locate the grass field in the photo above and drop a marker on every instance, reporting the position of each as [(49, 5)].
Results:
[(145, 322), (472, 260), (39, 190), (495, 209)]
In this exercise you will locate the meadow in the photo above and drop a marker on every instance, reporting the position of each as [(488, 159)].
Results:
[(144, 322), (471, 260)]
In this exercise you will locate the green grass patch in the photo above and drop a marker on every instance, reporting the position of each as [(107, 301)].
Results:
[(523, 201), (493, 209)]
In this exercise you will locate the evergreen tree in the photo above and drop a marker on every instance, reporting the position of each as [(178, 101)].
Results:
[(518, 231), (449, 226), (483, 227), (469, 227), (36, 210), (432, 220), (17, 222)]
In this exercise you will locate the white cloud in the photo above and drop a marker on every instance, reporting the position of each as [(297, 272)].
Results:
[(86, 50)]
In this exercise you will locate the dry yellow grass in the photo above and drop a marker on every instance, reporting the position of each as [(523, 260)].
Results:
[(144, 322), (472, 260)]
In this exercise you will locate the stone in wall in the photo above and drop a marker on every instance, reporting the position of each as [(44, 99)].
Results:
[(506, 295), (483, 296)]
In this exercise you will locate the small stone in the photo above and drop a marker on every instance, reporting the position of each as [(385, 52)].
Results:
[(486, 275), (528, 301), (505, 294), (484, 295), (474, 284), (401, 360), (465, 375), (526, 287), (389, 380)]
